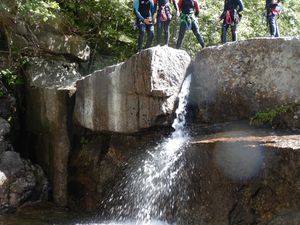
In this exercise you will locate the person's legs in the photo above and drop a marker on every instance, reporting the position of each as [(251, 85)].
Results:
[(142, 29), (233, 32), (166, 26), (183, 27), (196, 32), (159, 29), (224, 32), (272, 25), (277, 33), (150, 34)]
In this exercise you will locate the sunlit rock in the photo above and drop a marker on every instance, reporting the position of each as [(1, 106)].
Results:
[(47, 73), (137, 94), (49, 38), (236, 80)]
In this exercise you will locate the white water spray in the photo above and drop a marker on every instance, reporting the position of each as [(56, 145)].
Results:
[(147, 188)]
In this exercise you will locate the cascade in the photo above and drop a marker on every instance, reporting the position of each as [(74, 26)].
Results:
[(146, 192)]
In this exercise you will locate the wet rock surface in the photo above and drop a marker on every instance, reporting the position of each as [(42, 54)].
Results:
[(232, 174), (241, 175)]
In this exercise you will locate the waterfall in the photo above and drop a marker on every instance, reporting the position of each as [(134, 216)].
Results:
[(153, 180)]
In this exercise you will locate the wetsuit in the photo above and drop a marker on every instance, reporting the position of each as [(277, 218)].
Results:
[(231, 16), (161, 21), (189, 9), (272, 15), (144, 9)]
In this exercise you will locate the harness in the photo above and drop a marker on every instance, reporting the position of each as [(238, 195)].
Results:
[(165, 12), (231, 17), (187, 18), (274, 10)]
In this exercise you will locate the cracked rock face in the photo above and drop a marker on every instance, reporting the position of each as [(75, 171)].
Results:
[(134, 95), (20, 182), (239, 176), (236, 80), (48, 98), (229, 174)]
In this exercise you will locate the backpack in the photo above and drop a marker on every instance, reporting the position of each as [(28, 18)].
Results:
[(232, 17), (165, 13)]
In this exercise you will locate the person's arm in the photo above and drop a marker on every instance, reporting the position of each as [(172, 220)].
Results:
[(175, 5), (152, 9), (224, 10), (196, 7), (241, 5), (155, 5), (136, 10), (225, 6)]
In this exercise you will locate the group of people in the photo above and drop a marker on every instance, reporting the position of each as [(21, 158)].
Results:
[(151, 12)]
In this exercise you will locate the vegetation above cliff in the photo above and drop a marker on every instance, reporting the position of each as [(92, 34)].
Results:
[(108, 25)]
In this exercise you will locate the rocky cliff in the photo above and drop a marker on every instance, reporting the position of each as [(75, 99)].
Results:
[(126, 98)]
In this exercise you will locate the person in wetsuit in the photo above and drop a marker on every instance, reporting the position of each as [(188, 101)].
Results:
[(273, 10), (164, 16), (144, 11), (231, 17), (189, 9)]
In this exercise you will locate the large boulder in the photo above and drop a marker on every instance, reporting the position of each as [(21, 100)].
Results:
[(134, 95), (20, 182), (236, 80), (49, 100), (4, 130), (241, 175)]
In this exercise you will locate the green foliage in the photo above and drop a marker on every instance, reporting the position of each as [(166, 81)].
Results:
[(35, 10), (11, 76), (38, 9), (268, 117), (252, 25), (84, 141), (107, 25)]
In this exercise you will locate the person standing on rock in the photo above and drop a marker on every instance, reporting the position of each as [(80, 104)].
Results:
[(273, 10), (163, 12), (231, 17), (144, 11), (189, 11)]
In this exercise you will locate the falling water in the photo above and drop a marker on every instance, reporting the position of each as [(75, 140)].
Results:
[(147, 190)]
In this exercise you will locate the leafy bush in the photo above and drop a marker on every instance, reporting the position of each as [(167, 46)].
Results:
[(11, 76), (270, 116)]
